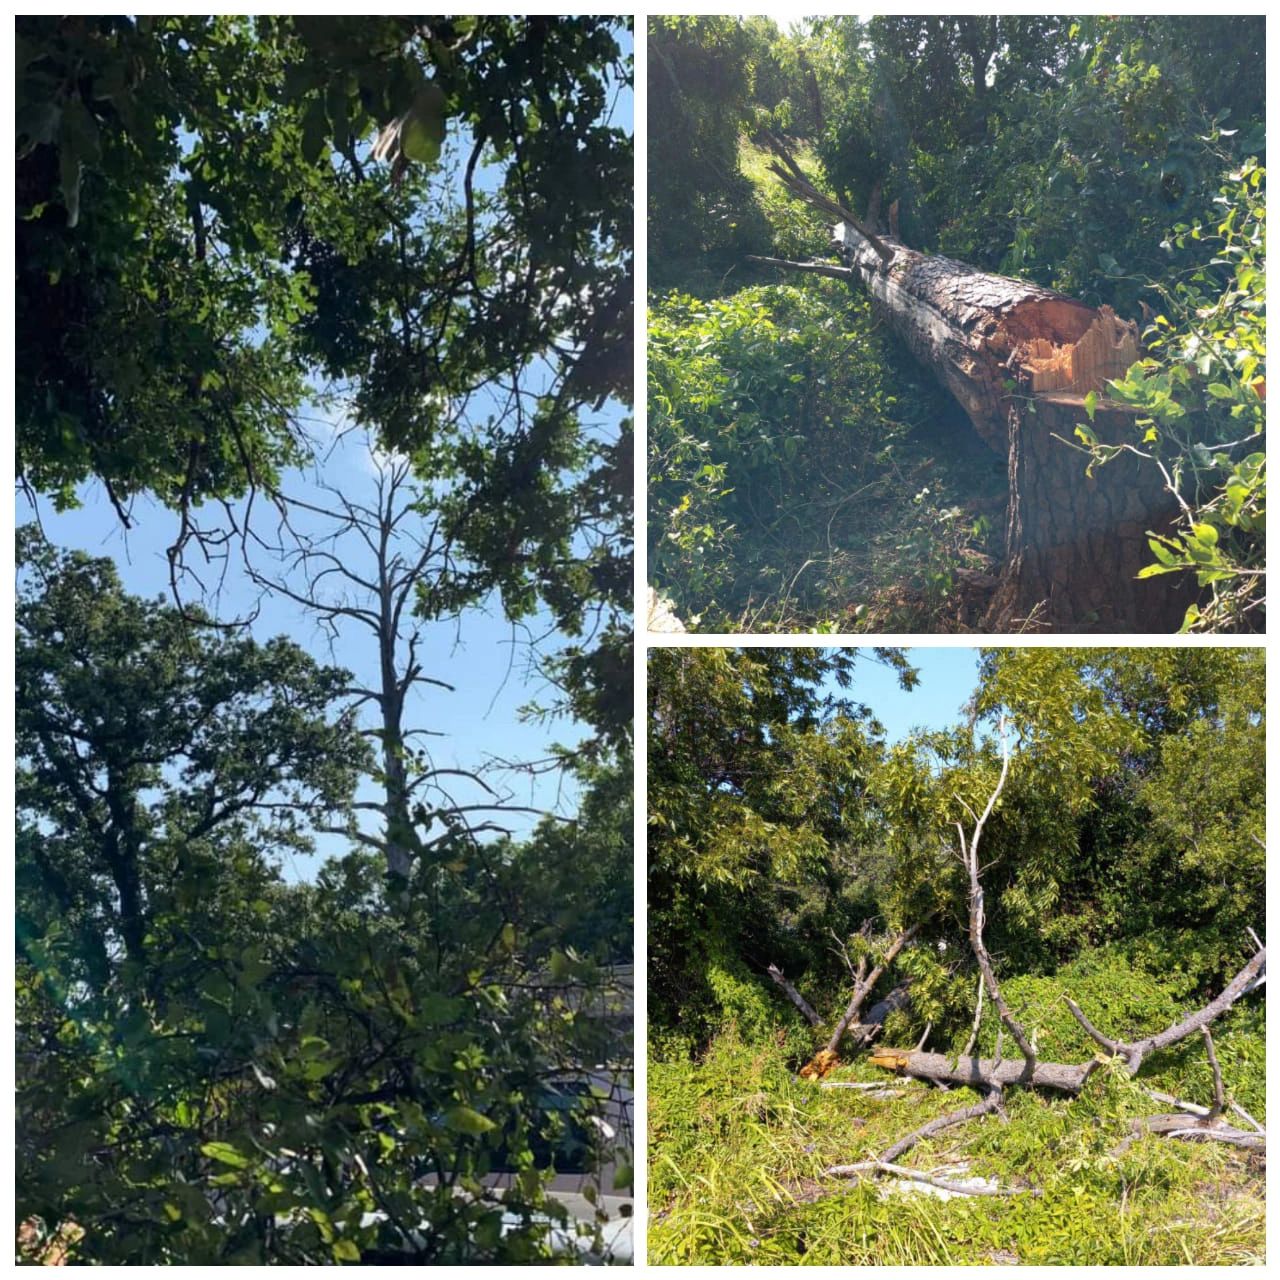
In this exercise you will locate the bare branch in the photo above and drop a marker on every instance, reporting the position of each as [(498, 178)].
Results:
[(917, 1175), (806, 1009), (1219, 1097), (864, 988), (937, 1125)]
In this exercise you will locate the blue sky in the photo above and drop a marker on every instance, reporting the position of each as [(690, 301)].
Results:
[(483, 656), (948, 677)]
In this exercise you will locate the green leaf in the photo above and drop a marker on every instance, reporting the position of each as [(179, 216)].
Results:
[(466, 1120), (1219, 391), (1091, 404), (315, 130), (422, 133), (346, 1251), (225, 1153)]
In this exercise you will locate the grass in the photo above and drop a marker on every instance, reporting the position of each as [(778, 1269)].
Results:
[(738, 1146)]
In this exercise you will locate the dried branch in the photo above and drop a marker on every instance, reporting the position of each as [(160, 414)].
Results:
[(929, 1179), (1219, 1097), (977, 915), (948, 1121), (1190, 1130), (863, 989), (1250, 977), (793, 995), (811, 268), (792, 177)]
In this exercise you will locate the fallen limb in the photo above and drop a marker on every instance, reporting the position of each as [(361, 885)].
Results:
[(1178, 1125), (1249, 978), (806, 1009), (985, 1073), (917, 1175), (1195, 1109), (952, 1118), (808, 268), (868, 1090)]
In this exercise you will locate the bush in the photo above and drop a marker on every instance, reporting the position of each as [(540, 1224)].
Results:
[(780, 487), (1200, 394)]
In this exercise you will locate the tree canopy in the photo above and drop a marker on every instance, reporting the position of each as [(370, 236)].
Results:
[(1049, 901), (778, 816), (214, 187)]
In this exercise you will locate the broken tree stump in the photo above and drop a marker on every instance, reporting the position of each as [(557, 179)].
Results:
[(1020, 360)]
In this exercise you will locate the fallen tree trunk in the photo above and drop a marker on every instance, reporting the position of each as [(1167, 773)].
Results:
[(1020, 360), (984, 1073)]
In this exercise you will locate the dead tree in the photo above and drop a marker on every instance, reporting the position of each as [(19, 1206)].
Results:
[(1020, 360), (992, 1076), (387, 566)]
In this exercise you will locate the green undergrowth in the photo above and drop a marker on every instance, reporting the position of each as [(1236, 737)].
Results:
[(802, 474), (738, 1145)]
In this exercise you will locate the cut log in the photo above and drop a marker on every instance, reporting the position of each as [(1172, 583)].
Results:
[(1020, 359), (984, 1073)]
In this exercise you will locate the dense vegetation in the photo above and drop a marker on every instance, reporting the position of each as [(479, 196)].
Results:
[(1122, 867), (1116, 159), (229, 228)]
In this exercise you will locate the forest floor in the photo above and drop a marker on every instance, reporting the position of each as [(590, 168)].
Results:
[(739, 1146)]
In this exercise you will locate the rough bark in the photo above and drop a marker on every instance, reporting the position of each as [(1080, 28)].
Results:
[(1019, 359), (1074, 542)]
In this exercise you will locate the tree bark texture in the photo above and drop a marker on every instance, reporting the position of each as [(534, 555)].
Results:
[(1074, 543), (984, 1073), (1020, 359)]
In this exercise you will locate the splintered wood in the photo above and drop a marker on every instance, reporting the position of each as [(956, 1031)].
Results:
[(823, 1063), (1107, 349)]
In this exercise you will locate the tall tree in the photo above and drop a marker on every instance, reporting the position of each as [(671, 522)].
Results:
[(144, 748), (433, 214)]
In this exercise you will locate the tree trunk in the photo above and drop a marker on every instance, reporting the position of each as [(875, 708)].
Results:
[(1020, 359), (984, 1073), (1074, 543)]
